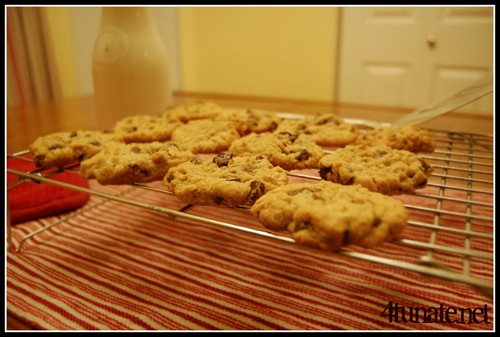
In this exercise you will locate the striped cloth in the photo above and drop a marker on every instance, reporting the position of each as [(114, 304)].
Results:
[(114, 266)]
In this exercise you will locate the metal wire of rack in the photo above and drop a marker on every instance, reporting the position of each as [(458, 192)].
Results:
[(450, 234)]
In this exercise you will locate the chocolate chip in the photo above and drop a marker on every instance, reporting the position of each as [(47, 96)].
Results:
[(257, 190), (137, 170), (38, 160), (349, 181), (135, 149), (303, 155), (422, 184), (223, 159), (323, 172), (345, 239), (291, 136)]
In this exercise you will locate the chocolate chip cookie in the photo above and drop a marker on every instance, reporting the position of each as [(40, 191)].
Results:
[(289, 151), (224, 180), (330, 130), (205, 135), (378, 168), (120, 164), (190, 111), (329, 216), (247, 121), (145, 128), (327, 130), (406, 137), (60, 149)]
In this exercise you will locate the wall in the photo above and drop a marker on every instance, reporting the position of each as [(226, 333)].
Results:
[(58, 22), (287, 52)]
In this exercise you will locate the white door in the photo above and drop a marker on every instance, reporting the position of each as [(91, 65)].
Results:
[(411, 56)]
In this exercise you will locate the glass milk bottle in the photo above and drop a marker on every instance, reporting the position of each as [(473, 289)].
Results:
[(130, 66)]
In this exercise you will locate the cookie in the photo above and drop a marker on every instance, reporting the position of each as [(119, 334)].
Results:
[(326, 129), (378, 168), (291, 125), (406, 137), (330, 130), (63, 148), (329, 216), (289, 151), (247, 121), (205, 136), (190, 111), (120, 164), (224, 180), (145, 128)]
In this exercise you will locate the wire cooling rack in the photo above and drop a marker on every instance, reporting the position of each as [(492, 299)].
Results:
[(451, 228)]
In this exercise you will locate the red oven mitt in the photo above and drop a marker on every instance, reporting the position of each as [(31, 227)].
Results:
[(30, 200)]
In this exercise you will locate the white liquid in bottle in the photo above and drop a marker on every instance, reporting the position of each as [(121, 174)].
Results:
[(130, 66)]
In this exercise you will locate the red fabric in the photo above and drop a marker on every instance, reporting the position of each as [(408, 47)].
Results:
[(120, 267), (29, 201)]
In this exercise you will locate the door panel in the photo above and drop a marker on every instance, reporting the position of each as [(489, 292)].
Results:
[(384, 82), (463, 52), (410, 56)]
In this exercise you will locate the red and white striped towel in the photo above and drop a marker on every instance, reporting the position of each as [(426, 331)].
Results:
[(115, 266)]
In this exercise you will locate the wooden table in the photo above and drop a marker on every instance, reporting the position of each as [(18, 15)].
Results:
[(25, 123)]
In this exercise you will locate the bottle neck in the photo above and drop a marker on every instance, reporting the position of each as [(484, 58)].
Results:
[(129, 19)]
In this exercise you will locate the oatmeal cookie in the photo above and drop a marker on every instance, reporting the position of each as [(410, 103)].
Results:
[(326, 129), (205, 135), (190, 111), (330, 130), (224, 180), (378, 168), (145, 128), (328, 216), (291, 125), (406, 137), (248, 120), (122, 163), (289, 151), (63, 148)]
